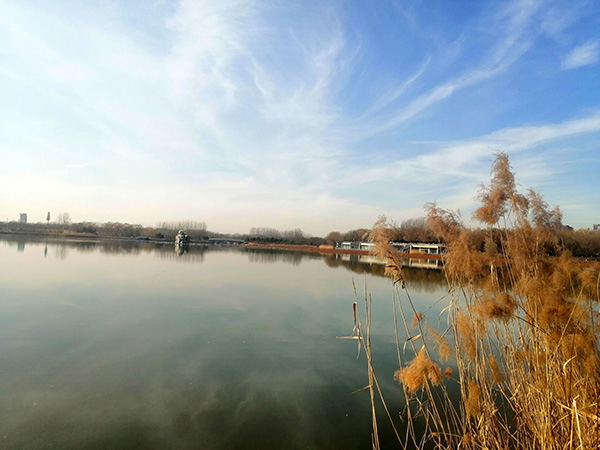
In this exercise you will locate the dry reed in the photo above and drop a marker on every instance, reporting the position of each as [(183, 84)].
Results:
[(416, 374), (524, 317)]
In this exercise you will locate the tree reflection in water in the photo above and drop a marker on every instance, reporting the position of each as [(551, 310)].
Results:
[(421, 274), (417, 276)]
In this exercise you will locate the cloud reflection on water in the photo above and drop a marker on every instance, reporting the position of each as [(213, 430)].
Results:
[(427, 280), (235, 349)]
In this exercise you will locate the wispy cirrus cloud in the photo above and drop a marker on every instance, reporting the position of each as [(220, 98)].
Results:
[(459, 158), (511, 39), (268, 118), (281, 113), (582, 55), (459, 167)]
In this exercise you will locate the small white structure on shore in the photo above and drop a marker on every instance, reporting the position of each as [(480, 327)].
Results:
[(402, 247), (429, 249)]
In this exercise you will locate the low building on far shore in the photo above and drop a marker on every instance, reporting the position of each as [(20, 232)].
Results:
[(429, 249), (402, 247), (369, 246), (350, 245)]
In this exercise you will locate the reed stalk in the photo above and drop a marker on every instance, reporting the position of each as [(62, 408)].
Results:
[(523, 332)]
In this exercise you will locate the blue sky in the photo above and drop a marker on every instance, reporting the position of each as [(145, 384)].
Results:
[(312, 115)]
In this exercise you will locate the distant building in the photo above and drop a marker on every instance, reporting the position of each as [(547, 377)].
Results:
[(23, 218), (402, 247), (369, 246), (429, 249), (596, 226)]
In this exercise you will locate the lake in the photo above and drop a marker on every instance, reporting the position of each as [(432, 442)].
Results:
[(128, 345)]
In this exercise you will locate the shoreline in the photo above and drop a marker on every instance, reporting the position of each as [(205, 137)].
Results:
[(588, 262), (337, 251), (287, 247)]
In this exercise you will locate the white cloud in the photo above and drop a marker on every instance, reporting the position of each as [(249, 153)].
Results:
[(583, 55), (241, 107), (207, 38), (260, 94), (454, 168), (510, 27), (390, 96), (558, 19)]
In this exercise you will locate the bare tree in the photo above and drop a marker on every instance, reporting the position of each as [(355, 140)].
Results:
[(63, 219), (333, 237), (188, 225)]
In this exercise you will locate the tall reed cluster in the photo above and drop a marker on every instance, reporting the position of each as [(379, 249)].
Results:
[(523, 332)]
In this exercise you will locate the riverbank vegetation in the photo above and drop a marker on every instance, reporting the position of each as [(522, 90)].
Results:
[(583, 243), (522, 336), (163, 231)]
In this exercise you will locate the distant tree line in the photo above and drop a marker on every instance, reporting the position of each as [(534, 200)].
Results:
[(187, 225), (62, 226), (272, 235), (411, 230), (581, 243), (335, 237), (198, 231)]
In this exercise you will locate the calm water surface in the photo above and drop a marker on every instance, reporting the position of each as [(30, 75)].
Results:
[(132, 346)]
